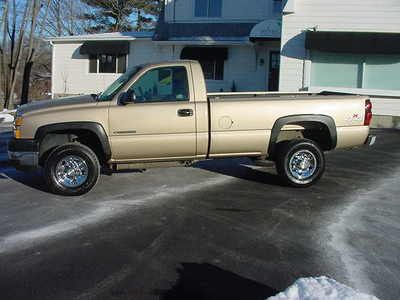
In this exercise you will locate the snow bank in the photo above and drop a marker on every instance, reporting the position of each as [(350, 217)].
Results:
[(6, 116), (320, 288)]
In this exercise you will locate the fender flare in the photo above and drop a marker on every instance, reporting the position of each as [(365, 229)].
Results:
[(281, 122), (94, 127)]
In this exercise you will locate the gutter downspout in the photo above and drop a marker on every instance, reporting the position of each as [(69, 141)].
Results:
[(174, 14), (52, 69)]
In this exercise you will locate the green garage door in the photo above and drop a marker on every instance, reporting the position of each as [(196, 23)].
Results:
[(381, 72)]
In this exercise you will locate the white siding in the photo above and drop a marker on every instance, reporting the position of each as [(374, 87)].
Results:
[(70, 73), (330, 15), (243, 67), (71, 70), (232, 11), (148, 52)]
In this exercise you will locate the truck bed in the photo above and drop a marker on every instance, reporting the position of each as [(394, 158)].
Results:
[(251, 116)]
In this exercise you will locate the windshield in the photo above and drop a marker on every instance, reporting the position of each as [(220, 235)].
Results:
[(114, 88)]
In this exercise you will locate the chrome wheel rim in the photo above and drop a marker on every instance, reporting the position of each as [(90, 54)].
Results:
[(71, 171), (302, 165)]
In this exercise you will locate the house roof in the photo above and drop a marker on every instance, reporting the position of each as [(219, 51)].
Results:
[(112, 36), (203, 31)]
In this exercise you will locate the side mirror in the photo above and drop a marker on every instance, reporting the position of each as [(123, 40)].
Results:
[(126, 98)]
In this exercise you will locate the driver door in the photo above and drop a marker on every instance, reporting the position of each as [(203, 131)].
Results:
[(160, 121)]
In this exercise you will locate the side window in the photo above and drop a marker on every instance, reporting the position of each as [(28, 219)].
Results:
[(162, 85), (208, 8)]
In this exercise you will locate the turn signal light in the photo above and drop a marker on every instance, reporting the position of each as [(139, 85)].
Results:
[(19, 121), (17, 127), (368, 113), (17, 133)]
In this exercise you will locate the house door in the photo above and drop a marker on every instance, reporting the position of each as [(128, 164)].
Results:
[(273, 75)]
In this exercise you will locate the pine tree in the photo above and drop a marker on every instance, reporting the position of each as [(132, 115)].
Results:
[(114, 15), (148, 7)]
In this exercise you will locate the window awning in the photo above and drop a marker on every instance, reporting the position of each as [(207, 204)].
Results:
[(204, 53), (101, 47), (266, 30), (353, 42)]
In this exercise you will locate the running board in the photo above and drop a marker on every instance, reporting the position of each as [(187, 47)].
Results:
[(150, 165)]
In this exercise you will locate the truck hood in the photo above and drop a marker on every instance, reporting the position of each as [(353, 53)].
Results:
[(45, 104)]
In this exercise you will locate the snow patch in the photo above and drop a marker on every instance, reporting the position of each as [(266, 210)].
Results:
[(320, 288), (350, 219)]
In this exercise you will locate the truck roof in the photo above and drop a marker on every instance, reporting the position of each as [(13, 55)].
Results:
[(170, 62)]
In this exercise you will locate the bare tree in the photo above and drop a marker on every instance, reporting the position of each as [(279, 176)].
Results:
[(64, 18), (23, 24), (32, 47), (12, 46)]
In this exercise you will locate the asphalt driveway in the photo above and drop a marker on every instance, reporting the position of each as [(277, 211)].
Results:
[(222, 230)]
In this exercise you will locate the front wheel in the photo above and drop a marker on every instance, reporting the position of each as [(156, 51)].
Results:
[(71, 169), (300, 163)]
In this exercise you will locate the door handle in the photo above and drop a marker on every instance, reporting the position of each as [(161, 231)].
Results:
[(185, 112)]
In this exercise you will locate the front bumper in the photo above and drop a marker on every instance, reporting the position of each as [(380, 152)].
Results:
[(23, 153), (371, 139)]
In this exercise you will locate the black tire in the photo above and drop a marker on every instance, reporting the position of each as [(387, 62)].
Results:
[(81, 153), (288, 151)]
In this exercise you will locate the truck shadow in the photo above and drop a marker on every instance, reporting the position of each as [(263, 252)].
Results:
[(32, 179), (242, 168), (205, 281)]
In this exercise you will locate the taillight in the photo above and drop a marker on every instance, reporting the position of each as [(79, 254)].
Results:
[(368, 113)]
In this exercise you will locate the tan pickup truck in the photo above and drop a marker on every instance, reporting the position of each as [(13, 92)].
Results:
[(161, 113)]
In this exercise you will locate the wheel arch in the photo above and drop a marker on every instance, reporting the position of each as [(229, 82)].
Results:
[(307, 121), (64, 129)]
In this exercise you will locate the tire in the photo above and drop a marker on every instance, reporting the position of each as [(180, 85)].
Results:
[(300, 163), (71, 170)]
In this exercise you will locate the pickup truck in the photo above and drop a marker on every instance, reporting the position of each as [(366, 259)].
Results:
[(158, 114)]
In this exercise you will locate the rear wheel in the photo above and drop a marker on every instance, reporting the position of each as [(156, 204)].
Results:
[(300, 163), (72, 169)]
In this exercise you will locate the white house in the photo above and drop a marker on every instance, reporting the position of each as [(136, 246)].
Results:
[(253, 45), (343, 45), (237, 43)]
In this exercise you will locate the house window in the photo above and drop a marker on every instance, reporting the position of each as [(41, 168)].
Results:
[(213, 69), (369, 71), (105, 63), (208, 8), (211, 59), (277, 6)]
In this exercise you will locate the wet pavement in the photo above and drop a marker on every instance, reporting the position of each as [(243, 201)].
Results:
[(224, 229)]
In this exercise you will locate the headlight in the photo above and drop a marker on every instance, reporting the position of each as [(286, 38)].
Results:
[(19, 120)]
